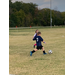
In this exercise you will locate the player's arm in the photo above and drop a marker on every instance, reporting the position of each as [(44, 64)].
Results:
[(34, 38), (42, 40), (34, 35)]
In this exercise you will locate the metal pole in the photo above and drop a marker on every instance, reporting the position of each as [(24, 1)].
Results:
[(50, 15)]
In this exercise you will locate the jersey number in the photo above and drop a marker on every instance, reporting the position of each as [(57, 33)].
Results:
[(37, 39)]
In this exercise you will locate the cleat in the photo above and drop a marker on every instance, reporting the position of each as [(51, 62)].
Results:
[(30, 53), (44, 53)]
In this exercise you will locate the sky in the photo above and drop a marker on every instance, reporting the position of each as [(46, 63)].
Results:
[(58, 5)]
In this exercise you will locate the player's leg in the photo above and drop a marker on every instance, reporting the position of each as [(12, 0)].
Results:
[(31, 52), (34, 50), (34, 45), (43, 50)]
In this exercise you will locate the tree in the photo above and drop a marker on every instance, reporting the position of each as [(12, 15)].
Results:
[(25, 8), (57, 18), (63, 17), (29, 19), (26, 14), (13, 19), (20, 18), (32, 8), (11, 23), (10, 11), (44, 17), (17, 5)]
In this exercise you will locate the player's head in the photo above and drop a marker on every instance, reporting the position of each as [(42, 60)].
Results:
[(36, 31), (39, 33)]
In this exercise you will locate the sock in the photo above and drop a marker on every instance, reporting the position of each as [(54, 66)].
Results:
[(44, 51), (33, 51), (34, 44)]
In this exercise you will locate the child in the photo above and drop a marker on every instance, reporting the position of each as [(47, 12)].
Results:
[(38, 39), (35, 36)]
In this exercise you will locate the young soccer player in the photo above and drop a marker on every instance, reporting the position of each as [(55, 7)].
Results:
[(35, 36), (38, 39)]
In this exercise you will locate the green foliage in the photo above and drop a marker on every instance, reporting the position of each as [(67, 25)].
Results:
[(15, 19), (20, 18), (11, 23), (10, 11), (27, 14), (17, 5)]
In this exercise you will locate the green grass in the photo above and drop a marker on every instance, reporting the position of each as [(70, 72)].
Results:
[(20, 45)]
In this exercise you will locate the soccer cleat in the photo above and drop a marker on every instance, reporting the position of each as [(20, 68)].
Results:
[(44, 53), (30, 53)]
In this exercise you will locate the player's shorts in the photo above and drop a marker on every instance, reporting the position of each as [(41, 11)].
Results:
[(39, 47)]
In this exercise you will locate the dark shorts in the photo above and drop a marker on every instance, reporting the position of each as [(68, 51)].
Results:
[(39, 47)]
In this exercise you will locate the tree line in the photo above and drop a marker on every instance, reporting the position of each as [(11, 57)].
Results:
[(27, 14)]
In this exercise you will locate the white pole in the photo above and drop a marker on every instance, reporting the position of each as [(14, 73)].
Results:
[(50, 15)]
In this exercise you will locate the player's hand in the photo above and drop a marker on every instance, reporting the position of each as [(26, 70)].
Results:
[(44, 42)]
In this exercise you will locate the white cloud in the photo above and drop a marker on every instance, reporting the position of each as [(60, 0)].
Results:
[(13, 1), (47, 4), (46, 0), (28, 1), (44, 6)]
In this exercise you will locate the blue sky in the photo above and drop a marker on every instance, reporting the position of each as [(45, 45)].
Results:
[(58, 5)]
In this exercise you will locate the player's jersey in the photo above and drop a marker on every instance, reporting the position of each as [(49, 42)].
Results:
[(38, 40)]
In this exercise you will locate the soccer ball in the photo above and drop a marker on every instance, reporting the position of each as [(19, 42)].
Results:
[(50, 51)]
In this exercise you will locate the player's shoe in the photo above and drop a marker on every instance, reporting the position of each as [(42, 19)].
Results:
[(30, 53), (44, 53)]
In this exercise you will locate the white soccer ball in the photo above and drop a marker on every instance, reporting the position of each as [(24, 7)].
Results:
[(50, 51)]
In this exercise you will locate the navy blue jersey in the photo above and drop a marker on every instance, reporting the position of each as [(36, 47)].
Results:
[(38, 40)]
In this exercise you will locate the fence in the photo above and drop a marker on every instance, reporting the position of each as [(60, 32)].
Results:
[(37, 27)]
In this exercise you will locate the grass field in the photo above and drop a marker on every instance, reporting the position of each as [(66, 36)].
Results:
[(20, 45)]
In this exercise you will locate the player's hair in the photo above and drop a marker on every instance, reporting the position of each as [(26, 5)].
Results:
[(38, 33)]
